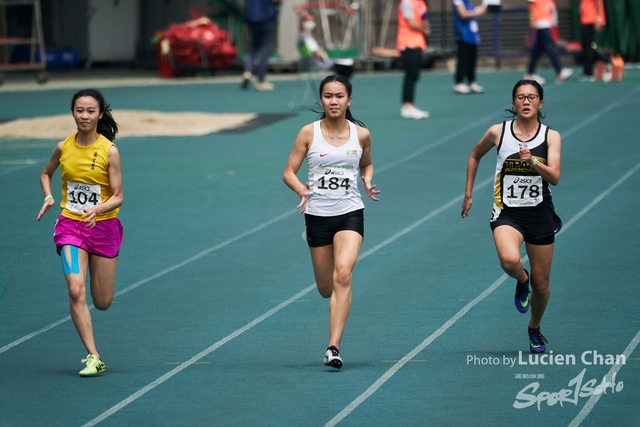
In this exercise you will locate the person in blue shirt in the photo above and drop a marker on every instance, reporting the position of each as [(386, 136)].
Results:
[(468, 38), (261, 17)]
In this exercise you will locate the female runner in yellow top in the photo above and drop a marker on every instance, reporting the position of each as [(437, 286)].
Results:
[(88, 233)]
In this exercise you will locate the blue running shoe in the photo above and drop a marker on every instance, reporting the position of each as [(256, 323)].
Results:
[(536, 341), (522, 295)]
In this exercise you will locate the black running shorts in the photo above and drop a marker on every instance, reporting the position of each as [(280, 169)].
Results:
[(321, 229), (538, 225)]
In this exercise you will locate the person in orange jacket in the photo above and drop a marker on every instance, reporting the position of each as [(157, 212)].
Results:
[(592, 20), (543, 13), (413, 28)]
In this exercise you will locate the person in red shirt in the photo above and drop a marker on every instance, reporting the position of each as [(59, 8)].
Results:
[(592, 20)]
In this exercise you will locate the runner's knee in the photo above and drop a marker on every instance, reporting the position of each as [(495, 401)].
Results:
[(511, 265), (102, 305)]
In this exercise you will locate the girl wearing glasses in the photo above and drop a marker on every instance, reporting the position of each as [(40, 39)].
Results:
[(528, 160)]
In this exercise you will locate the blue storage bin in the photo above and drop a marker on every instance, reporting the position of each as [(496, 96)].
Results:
[(56, 58)]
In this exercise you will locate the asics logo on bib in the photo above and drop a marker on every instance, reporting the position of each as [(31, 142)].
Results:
[(81, 187), (523, 180), (333, 172)]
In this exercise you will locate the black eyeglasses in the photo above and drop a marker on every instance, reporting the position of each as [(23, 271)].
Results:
[(531, 97)]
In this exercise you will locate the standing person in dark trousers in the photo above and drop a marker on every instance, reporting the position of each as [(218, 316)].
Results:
[(542, 16), (261, 17), (88, 233), (337, 149), (528, 161), (413, 28), (468, 38), (592, 20)]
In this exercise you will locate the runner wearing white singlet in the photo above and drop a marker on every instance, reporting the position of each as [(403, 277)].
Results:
[(337, 149), (333, 174)]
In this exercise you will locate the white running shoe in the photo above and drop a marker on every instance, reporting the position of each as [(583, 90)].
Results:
[(246, 78), (264, 86), (584, 78), (564, 74), (608, 73), (536, 78), (413, 113), (461, 88), (406, 112), (332, 358), (476, 88), (423, 114)]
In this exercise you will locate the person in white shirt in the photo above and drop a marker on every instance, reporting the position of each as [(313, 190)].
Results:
[(337, 149), (310, 50)]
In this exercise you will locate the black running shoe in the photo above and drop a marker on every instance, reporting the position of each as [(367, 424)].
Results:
[(522, 295), (332, 358)]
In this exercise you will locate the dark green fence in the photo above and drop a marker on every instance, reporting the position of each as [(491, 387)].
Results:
[(621, 35)]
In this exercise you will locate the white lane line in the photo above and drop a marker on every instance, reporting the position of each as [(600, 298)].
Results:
[(413, 353), (600, 113), (196, 358), (265, 316), (240, 236), (16, 167), (436, 143), (155, 276), (18, 162), (591, 403), (284, 304), (601, 196), (372, 389)]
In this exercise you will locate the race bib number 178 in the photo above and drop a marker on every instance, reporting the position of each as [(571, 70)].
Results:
[(522, 190)]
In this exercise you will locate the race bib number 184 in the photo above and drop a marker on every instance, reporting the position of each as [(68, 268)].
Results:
[(332, 182)]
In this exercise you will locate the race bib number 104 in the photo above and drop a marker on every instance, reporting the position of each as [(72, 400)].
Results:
[(522, 190), (82, 196)]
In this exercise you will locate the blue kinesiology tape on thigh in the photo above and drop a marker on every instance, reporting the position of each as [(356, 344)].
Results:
[(75, 265)]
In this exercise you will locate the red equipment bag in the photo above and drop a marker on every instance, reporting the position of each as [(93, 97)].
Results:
[(199, 43)]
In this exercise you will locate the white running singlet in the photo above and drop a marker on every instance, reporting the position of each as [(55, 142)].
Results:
[(333, 175)]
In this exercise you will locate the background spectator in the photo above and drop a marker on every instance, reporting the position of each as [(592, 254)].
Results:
[(261, 17), (468, 38)]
